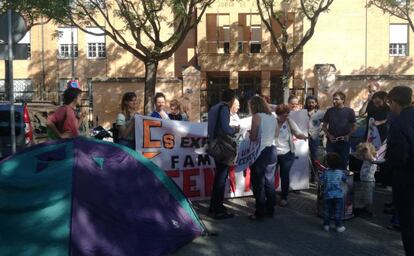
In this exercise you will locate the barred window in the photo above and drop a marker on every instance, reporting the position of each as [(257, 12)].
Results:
[(398, 49), (96, 50), (398, 40), (66, 37), (65, 51), (95, 42)]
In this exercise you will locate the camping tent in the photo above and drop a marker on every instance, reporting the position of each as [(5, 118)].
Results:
[(88, 197)]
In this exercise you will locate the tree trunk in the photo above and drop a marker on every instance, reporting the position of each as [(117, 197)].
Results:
[(286, 77), (150, 82)]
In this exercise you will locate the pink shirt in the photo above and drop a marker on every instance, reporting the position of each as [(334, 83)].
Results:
[(66, 115)]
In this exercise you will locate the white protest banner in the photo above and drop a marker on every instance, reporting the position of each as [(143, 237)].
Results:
[(299, 173), (373, 134), (178, 148), (247, 151)]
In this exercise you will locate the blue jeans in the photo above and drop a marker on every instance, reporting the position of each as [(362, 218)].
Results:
[(313, 148), (285, 162), (219, 186), (342, 148), (331, 206), (263, 181)]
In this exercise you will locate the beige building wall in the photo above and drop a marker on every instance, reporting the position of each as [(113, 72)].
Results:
[(356, 40), (107, 96), (44, 63), (349, 36)]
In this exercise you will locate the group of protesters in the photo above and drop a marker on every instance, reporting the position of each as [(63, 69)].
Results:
[(392, 114)]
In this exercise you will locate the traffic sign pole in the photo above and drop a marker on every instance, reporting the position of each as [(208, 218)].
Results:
[(11, 85)]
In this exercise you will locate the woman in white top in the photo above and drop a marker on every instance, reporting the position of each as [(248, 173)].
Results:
[(263, 169), (234, 117), (285, 129), (125, 120)]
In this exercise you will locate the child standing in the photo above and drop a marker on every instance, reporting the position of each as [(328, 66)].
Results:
[(332, 179), (366, 152)]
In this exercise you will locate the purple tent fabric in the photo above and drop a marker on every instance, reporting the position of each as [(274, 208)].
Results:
[(121, 203)]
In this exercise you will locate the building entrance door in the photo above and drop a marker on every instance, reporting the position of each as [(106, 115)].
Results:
[(216, 83), (249, 85)]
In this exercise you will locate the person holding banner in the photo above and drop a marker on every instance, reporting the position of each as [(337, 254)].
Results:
[(368, 105), (234, 117), (380, 113), (125, 120), (219, 122), (315, 126), (263, 128), (175, 110), (286, 128), (159, 102), (293, 102)]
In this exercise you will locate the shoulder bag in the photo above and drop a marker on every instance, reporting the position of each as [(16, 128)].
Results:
[(222, 148)]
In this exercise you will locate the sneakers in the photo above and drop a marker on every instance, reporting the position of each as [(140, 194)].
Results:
[(340, 229), (283, 203), (326, 227)]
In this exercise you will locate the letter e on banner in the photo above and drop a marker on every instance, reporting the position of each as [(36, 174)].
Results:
[(189, 185)]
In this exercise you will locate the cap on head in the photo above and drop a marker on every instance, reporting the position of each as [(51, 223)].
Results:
[(73, 84)]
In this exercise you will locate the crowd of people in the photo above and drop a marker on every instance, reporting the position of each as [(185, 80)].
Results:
[(391, 113)]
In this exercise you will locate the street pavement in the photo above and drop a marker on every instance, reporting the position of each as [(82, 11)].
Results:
[(295, 230)]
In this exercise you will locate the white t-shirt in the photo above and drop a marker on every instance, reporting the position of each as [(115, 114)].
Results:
[(367, 172), (234, 119), (315, 124), (282, 141), (267, 130), (121, 120)]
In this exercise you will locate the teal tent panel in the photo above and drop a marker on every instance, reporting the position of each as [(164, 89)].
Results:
[(35, 201)]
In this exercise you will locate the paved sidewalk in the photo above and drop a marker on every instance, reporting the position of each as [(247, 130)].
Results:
[(295, 230)]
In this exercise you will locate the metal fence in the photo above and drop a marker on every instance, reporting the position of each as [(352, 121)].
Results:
[(23, 90)]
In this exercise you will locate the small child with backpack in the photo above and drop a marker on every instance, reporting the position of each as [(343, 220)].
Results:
[(333, 195)]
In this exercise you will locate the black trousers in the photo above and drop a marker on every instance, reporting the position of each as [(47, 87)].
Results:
[(404, 202)]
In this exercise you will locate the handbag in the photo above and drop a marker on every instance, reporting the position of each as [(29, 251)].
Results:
[(222, 148)]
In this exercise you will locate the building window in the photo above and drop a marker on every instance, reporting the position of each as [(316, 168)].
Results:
[(96, 43), (398, 49), (249, 33), (226, 42), (65, 42), (398, 40), (256, 39), (218, 33)]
